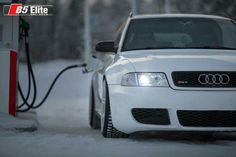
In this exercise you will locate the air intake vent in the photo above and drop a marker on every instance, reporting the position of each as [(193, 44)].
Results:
[(151, 116), (207, 118)]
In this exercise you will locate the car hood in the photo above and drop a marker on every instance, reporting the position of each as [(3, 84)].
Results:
[(168, 61), (182, 60)]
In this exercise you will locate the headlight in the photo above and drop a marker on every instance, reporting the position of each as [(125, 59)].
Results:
[(145, 79)]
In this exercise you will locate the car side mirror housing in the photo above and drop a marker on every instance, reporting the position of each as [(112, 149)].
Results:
[(105, 46)]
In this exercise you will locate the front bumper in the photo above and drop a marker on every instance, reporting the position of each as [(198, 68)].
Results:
[(124, 99)]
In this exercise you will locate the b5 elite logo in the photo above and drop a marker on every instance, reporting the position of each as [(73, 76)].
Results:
[(17, 9)]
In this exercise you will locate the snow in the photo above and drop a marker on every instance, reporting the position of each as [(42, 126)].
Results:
[(64, 131), (26, 121)]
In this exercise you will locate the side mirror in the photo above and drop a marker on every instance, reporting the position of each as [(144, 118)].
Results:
[(105, 46)]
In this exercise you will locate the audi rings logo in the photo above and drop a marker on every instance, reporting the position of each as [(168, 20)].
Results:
[(214, 79)]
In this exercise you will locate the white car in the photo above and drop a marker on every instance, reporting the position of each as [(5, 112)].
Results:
[(172, 72)]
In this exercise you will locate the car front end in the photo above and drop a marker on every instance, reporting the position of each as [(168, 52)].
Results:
[(172, 73), (187, 90)]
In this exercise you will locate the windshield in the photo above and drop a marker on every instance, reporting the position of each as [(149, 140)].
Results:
[(163, 33)]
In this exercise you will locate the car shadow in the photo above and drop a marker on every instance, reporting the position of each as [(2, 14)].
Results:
[(185, 137)]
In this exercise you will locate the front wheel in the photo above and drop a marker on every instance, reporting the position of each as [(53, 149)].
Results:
[(107, 128)]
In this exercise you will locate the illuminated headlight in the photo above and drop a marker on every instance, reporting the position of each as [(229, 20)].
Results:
[(145, 79)]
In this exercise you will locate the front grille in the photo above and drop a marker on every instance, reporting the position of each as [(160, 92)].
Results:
[(207, 118), (204, 79), (151, 116)]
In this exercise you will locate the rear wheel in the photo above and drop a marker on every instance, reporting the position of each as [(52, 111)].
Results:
[(93, 117), (107, 128)]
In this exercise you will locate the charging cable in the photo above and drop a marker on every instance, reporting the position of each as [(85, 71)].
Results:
[(26, 105)]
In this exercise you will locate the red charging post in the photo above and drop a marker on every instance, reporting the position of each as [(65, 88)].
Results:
[(9, 40)]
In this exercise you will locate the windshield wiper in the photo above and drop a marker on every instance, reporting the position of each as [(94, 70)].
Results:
[(173, 47), (160, 47), (212, 47)]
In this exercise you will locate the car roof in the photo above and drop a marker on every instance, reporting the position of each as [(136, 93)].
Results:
[(179, 16)]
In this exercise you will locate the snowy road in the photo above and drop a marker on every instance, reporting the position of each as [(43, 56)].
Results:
[(64, 130)]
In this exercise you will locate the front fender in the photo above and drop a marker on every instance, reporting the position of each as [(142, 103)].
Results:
[(117, 69)]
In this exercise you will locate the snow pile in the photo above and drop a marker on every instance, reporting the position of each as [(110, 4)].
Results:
[(24, 122)]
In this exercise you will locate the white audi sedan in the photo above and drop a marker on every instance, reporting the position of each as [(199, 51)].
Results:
[(172, 72)]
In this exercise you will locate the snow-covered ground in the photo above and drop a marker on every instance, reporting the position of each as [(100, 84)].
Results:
[(64, 130)]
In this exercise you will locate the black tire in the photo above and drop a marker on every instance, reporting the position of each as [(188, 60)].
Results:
[(94, 121), (109, 131)]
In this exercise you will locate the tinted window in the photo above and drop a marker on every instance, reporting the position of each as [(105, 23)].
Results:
[(157, 33)]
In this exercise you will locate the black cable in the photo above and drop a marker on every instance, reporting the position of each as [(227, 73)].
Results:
[(29, 88), (23, 36), (53, 83), (49, 90), (31, 72), (31, 75)]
